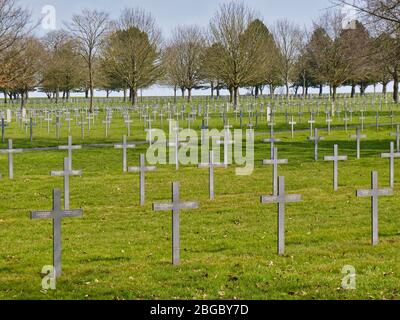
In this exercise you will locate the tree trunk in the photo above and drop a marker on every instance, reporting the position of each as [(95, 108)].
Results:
[(5, 96), (133, 94), (124, 95), (396, 87), (384, 89), (236, 97), (189, 95), (175, 90), (334, 89), (57, 94), (321, 90), (183, 92), (256, 92), (231, 94), (353, 90), (287, 90), (212, 89)]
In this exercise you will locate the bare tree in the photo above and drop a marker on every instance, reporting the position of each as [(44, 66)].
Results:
[(288, 38), (131, 54), (185, 51), (377, 10), (238, 47), (14, 26), (89, 29)]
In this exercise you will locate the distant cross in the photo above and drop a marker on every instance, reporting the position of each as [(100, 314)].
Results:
[(124, 146), (56, 214), (346, 120), (31, 129), (3, 126), (89, 118), (281, 199), (397, 135), (316, 140), (227, 142), (58, 127), (375, 193), (82, 124), (359, 136), (272, 140), (362, 118), (275, 162), (128, 123), (392, 156), (211, 165), (66, 173), (70, 147), (176, 206), (142, 169), (311, 122), (329, 123), (48, 119), (292, 124), (10, 151), (335, 159), (107, 124)]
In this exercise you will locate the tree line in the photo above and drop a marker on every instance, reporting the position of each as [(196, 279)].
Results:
[(237, 50)]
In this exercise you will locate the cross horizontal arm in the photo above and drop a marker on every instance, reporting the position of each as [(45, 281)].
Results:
[(64, 173), (72, 213), (188, 205), (69, 147), (11, 151), (163, 206), (121, 146), (39, 215), (271, 140), (138, 169), (389, 155), (332, 158), (271, 162)]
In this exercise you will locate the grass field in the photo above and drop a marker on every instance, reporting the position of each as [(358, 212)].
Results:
[(119, 250)]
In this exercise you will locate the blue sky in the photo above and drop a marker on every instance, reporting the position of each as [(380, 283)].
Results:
[(169, 14)]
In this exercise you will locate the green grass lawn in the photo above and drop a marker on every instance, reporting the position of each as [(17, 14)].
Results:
[(119, 250)]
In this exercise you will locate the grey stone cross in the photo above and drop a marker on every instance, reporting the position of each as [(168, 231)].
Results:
[(358, 137), (124, 146), (275, 162), (272, 141), (10, 151), (56, 214), (292, 124), (211, 165), (227, 142), (397, 135), (176, 206), (329, 123), (66, 173), (281, 199), (311, 122), (335, 158), (392, 155), (70, 147), (316, 140), (375, 193), (362, 118), (142, 169)]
